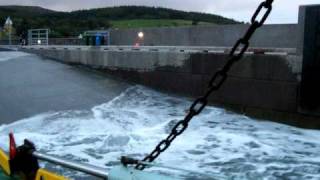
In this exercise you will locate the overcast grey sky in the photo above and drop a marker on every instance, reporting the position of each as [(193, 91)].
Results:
[(285, 11)]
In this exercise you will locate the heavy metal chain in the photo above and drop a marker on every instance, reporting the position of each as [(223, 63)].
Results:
[(215, 83)]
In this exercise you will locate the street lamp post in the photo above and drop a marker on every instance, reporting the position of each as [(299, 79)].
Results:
[(141, 35), (140, 38)]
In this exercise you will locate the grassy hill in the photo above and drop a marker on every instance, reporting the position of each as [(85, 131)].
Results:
[(63, 24)]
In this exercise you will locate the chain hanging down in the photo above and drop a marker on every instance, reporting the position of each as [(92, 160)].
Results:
[(215, 83)]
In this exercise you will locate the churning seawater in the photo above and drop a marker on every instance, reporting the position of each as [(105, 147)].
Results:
[(217, 141)]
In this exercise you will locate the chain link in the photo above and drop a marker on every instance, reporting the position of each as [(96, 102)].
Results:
[(215, 83)]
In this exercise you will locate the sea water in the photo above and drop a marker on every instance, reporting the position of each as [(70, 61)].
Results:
[(219, 142), (9, 55)]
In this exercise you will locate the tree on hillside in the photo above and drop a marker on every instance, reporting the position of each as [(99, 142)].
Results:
[(64, 24), (22, 28)]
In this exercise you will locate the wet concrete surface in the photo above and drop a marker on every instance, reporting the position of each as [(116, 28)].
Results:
[(31, 85)]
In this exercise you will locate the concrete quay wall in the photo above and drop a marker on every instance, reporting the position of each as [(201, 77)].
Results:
[(262, 85)]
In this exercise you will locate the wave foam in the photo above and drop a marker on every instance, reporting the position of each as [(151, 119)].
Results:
[(217, 141), (9, 55)]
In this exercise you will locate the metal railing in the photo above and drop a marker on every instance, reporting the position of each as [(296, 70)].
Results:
[(182, 49), (85, 168)]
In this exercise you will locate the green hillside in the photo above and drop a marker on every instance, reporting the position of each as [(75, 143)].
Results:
[(66, 24), (137, 23)]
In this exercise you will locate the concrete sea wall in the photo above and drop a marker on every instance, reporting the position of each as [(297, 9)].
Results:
[(262, 85)]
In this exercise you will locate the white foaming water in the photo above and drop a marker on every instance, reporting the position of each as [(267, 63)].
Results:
[(217, 141), (8, 55)]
